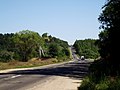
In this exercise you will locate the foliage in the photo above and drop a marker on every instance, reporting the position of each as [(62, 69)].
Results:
[(103, 44), (6, 46), (26, 44), (109, 38), (6, 41), (99, 78), (56, 48), (86, 48), (6, 56), (104, 74)]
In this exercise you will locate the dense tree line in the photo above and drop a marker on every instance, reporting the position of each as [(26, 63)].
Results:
[(27, 44), (105, 73), (109, 37), (6, 45), (54, 47), (86, 48), (108, 42)]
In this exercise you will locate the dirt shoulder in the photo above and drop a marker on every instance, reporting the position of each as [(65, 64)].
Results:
[(57, 83)]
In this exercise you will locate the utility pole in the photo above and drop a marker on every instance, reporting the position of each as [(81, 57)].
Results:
[(41, 52)]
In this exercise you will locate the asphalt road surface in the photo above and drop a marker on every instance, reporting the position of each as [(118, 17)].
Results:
[(21, 79)]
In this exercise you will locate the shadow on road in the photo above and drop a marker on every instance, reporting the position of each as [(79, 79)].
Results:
[(73, 70)]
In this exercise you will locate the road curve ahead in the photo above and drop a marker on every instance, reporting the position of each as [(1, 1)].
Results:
[(26, 79)]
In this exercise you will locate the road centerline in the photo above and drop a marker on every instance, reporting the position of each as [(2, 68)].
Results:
[(15, 76)]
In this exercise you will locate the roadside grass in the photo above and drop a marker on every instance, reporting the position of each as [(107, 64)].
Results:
[(107, 83), (31, 63), (100, 78)]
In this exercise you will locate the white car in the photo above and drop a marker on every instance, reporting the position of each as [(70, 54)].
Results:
[(82, 58)]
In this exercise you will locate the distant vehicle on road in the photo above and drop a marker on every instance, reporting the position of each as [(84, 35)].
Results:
[(82, 57)]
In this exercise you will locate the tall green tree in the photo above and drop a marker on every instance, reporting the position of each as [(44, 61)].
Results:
[(55, 47), (27, 44), (6, 41), (54, 50), (110, 37), (6, 47)]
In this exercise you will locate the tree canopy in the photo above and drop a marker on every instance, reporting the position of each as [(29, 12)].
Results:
[(108, 42), (109, 37), (86, 48), (26, 44)]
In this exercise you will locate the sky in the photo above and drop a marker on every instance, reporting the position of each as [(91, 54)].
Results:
[(69, 20)]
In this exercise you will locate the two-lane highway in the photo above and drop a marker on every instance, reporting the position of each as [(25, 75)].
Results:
[(24, 79)]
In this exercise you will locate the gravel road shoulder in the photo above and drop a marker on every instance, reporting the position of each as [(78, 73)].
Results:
[(57, 83)]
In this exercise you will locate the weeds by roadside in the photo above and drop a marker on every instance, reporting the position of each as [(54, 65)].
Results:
[(101, 77), (31, 63)]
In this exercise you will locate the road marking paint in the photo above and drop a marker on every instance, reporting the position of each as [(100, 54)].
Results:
[(71, 61), (16, 76)]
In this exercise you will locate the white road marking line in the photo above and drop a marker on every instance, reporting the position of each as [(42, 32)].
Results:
[(16, 76), (70, 61)]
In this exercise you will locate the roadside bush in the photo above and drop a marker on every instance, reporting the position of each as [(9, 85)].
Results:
[(6, 56), (87, 84), (114, 83), (101, 77), (105, 83)]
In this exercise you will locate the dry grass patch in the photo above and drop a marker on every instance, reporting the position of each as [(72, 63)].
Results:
[(31, 63)]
